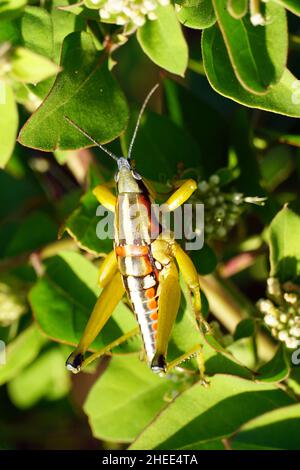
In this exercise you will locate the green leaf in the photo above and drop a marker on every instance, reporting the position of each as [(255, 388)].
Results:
[(163, 41), (120, 417), (191, 418), (243, 350), (284, 233), (46, 378), (91, 4), (205, 260), (237, 8), (277, 429), (186, 336), (36, 230), (226, 176), (197, 14), (44, 32), (159, 147), (21, 352), (90, 12), (82, 226), (219, 360), (276, 166), (84, 91), (63, 299), (292, 5), (257, 55), (8, 122), (9, 32), (63, 23), (15, 191), (10, 9), (29, 67), (244, 329), (293, 381), (241, 141), (220, 74), (276, 370), (37, 31), (203, 123)]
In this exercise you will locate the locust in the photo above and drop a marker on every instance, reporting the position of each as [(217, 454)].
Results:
[(146, 269)]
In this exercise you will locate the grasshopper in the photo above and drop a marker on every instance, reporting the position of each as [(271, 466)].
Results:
[(146, 268)]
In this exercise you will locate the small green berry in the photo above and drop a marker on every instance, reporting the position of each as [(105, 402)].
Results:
[(220, 214), (214, 180), (203, 186), (221, 232), (212, 201)]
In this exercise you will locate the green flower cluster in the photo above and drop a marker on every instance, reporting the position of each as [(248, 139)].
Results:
[(221, 209), (281, 311), (123, 12)]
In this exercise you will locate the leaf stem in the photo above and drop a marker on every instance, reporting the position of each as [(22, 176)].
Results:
[(196, 66)]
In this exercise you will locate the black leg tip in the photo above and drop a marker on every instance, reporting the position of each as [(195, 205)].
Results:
[(158, 364), (74, 362)]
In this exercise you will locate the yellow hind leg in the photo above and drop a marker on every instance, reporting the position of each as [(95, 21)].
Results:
[(181, 195), (191, 277), (112, 293), (104, 195), (168, 305)]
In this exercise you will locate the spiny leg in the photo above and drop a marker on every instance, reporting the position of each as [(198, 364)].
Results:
[(201, 366), (107, 349), (197, 353), (168, 305), (104, 306), (103, 309), (191, 277), (164, 252), (165, 249)]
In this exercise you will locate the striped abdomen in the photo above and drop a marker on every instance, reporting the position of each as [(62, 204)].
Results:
[(136, 263), (140, 279)]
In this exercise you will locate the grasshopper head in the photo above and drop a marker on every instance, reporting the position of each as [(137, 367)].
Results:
[(128, 180)]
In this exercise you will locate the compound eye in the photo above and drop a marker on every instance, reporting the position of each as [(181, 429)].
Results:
[(136, 175), (116, 176)]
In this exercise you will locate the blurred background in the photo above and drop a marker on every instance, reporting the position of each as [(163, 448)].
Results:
[(40, 403)]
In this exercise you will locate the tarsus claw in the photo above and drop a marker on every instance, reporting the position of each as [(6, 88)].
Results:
[(158, 364), (74, 362)]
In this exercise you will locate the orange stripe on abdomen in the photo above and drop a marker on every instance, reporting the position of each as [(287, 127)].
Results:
[(132, 250), (146, 310)]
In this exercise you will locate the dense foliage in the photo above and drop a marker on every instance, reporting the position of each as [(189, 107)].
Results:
[(226, 114)]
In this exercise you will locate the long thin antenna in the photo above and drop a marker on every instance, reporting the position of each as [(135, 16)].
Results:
[(139, 119), (91, 138)]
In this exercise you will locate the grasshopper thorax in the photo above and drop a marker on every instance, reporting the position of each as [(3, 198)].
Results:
[(128, 180)]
